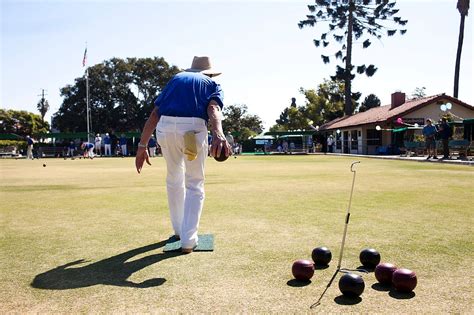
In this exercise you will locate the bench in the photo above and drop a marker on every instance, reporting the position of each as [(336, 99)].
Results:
[(52, 151), (414, 148), (459, 147), (8, 151)]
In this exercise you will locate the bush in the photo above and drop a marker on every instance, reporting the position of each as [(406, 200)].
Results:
[(20, 145)]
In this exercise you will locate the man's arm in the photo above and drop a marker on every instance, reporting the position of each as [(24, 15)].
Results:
[(142, 152), (219, 141)]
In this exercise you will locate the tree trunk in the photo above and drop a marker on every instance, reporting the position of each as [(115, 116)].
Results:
[(458, 57), (347, 76)]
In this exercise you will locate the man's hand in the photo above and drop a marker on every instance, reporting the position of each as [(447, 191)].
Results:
[(220, 143), (140, 158)]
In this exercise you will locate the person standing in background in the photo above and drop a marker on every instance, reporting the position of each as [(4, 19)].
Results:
[(445, 133), (29, 150), (98, 144), (107, 147), (123, 144), (152, 146)]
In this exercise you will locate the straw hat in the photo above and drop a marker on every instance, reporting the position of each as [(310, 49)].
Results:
[(203, 65)]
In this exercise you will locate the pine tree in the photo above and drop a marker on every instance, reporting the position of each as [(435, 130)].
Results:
[(347, 20)]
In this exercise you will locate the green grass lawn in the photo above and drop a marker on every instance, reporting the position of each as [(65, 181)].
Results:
[(87, 235)]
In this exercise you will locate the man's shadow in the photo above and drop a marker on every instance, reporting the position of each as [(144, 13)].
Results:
[(110, 271)]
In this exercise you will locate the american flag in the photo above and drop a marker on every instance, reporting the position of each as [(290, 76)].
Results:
[(84, 60)]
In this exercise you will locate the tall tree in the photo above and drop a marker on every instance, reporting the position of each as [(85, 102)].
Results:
[(419, 92), (463, 8), (369, 102), (240, 123), (122, 92), (325, 103), (347, 20), (322, 105), (22, 123), (43, 107)]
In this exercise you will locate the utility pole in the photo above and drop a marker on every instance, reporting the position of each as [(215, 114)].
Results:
[(42, 94), (43, 106)]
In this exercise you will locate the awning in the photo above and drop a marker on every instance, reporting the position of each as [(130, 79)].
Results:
[(291, 133), (406, 128), (400, 129), (11, 136)]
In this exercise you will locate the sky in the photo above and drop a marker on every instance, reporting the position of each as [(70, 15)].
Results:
[(263, 55)]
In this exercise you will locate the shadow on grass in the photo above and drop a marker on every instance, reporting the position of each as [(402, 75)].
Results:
[(347, 300), (298, 283), (401, 295), (368, 269), (381, 287), (320, 267), (110, 271)]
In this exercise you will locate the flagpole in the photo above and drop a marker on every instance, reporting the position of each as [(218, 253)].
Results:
[(87, 104), (88, 114)]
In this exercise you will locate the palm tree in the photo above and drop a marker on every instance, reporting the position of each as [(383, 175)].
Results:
[(43, 107), (463, 7)]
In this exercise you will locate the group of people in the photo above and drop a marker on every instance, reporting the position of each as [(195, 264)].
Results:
[(109, 144), (431, 132)]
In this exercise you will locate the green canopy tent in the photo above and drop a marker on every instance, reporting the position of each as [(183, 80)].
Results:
[(11, 136)]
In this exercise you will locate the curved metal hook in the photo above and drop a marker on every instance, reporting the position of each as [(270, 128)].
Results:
[(355, 162)]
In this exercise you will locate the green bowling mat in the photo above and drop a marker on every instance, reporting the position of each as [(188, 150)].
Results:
[(205, 244)]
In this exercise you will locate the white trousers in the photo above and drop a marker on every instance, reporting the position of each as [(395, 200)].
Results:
[(184, 179), (152, 151), (124, 149), (29, 152), (107, 150)]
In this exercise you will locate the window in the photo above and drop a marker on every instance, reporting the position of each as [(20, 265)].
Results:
[(354, 142), (374, 137)]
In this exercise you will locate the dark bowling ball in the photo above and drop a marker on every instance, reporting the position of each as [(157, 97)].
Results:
[(302, 269), (221, 157), (383, 273), (369, 257), (404, 280), (351, 285), (321, 256)]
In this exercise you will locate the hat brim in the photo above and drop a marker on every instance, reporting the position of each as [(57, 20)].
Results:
[(206, 72)]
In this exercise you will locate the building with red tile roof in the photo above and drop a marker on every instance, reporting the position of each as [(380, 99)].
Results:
[(359, 134)]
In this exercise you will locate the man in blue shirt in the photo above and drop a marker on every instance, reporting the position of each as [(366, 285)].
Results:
[(123, 145), (429, 132), (152, 146), (445, 132), (88, 149), (182, 110), (70, 149), (29, 149), (107, 142)]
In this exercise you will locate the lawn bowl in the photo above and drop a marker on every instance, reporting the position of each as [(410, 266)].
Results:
[(404, 280), (351, 285), (321, 256), (222, 157), (369, 258), (303, 269), (383, 273)]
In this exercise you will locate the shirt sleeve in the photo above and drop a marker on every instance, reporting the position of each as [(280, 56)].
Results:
[(217, 95)]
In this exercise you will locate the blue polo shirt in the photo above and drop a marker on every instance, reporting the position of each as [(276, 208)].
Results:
[(88, 145), (429, 130), (152, 143), (123, 140), (106, 140), (188, 94)]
